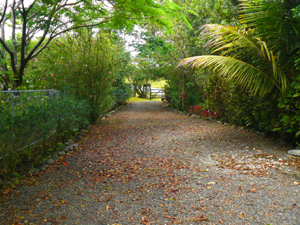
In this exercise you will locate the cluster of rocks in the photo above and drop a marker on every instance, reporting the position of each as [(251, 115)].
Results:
[(69, 147)]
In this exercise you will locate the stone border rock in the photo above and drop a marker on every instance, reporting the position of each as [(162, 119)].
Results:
[(69, 147), (294, 152)]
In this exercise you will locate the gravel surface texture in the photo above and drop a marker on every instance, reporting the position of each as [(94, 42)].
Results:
[(147, 165)]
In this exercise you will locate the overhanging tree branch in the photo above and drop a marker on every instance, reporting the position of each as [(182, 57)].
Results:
[(32, 54), (4, 12)]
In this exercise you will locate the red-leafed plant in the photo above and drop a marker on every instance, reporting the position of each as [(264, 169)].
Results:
[(183, 95), (198, 110)]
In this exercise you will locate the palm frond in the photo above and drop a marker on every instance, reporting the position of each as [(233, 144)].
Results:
[(234, 45), (244, 74), (225, 40), (274, 22), (222, 35)]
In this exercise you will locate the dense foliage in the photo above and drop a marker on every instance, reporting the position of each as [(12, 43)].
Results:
[(255, 79), (185, 87), (49, 19), (247, 69), (83, 67), (37, 121), (86, 63)]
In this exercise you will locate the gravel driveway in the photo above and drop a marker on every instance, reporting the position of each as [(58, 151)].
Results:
[(147, 165)]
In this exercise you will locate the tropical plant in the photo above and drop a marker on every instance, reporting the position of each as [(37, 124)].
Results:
[(255, 55)]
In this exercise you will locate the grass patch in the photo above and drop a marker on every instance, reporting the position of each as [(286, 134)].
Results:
[(136, 99)]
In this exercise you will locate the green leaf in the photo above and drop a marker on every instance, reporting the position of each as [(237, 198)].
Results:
[(51, 2), (193, 13), (296, 95), (186, 21), (281, 105)]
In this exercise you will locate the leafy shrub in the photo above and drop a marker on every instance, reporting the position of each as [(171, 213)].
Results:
[(85, 62), (121, 91), (278, 117), (288, 122), (237, 106), (182, 93)]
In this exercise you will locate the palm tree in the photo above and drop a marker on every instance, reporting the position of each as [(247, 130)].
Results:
[(259, 55)]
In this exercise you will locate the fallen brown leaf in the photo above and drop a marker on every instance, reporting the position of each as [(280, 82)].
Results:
[(240, 215)]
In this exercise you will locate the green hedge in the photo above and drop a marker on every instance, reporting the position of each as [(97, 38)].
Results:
[(39, 119)]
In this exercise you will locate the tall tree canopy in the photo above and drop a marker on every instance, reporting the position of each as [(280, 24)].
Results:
[(49, 19)]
